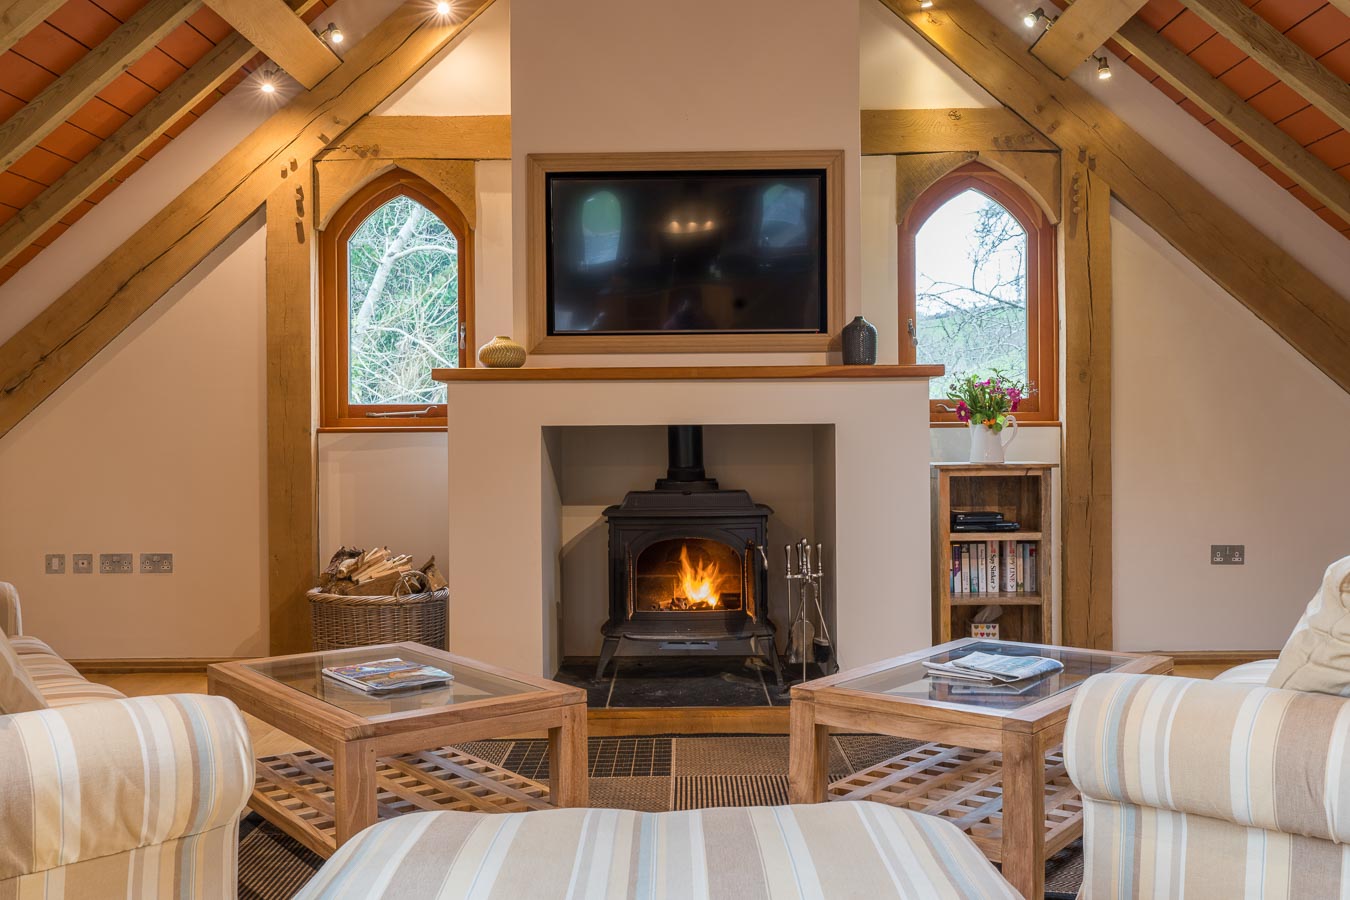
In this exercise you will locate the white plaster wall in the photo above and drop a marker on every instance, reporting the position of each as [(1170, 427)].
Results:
[(471, 77), (900, 70), (1222, 434), (506, 528), (155, 446)]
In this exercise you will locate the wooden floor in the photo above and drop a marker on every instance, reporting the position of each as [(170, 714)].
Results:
[(268, 741)]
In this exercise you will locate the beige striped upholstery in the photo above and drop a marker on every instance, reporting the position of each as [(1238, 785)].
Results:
[(135, 798), (1203, 789), (11, 614), (18, 692), (834, 850), (59, 682)]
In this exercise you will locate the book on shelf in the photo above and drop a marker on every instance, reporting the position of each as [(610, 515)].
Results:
[(989, 566), (387, 675), (994, 667)]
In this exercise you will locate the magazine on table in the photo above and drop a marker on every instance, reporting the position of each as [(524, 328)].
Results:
[(388, 675), (994, 667)]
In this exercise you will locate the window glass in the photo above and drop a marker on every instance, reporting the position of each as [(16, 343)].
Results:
[(970, 260), (403, 304)]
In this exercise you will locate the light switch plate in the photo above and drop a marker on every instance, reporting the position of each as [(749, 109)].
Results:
[(1227, 554), (114, 563), (82, 563), (56, 564), (156, 563)]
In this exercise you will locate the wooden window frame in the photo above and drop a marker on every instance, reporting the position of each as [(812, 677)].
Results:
[(337, 413), (1042, 293)]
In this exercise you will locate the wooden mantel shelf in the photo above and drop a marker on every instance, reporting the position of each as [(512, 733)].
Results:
[(687, 373)]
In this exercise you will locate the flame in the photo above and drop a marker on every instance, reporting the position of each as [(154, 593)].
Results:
[(701, 584)]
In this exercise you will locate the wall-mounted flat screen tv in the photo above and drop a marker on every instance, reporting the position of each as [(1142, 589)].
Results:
[(706, 252)]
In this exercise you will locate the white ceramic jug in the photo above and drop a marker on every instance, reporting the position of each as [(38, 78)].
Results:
[(987, 445)]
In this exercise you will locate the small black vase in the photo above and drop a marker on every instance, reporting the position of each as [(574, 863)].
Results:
[(860, 343)]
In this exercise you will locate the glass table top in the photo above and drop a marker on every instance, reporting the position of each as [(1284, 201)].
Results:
[(912, 681), (305, 674)]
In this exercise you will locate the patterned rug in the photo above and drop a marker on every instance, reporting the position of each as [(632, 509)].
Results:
[(652, 774)]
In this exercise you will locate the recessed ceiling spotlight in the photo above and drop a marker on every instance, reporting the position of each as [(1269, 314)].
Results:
[(332, 34), (1103, 68), (1031, 18), (267, 82)]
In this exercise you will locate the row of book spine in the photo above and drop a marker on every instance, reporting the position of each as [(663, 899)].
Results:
[(987, 567)]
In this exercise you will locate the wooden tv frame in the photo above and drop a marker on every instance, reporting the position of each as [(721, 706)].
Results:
[(540, 165)]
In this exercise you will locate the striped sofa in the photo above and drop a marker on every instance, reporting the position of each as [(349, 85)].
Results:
[(832, 850), (104, 796), (1203, 789)]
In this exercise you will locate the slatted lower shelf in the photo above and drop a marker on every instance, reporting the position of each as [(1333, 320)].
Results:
[(295, 790), (966, 787)]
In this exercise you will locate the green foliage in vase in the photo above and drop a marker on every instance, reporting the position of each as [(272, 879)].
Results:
[(403, 304), (990, 401)]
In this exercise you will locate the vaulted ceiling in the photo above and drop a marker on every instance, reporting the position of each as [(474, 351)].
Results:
[(49, 50), (1317, 27), (31, 69)]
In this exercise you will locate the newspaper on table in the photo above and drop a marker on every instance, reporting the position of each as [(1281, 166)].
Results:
[(994, 667)]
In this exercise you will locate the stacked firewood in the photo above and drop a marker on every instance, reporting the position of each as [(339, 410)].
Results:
[(376, 571)]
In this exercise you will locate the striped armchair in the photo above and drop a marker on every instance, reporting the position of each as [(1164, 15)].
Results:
[(1210, 789), (104, 796)]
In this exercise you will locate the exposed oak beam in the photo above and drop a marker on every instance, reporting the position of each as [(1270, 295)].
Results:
[(125, 144), (1080, 31), (1278, 55), (23, 131), (886, 131), (427, 137), (1085, 483), (272, 27), (83, 320), (1217, 99), (1299, 306), (18, 17)]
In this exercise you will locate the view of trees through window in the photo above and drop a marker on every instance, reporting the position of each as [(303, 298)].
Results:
[(403, 296), (971, 289)]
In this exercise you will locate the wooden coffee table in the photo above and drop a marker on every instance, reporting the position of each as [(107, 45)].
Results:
[(377, 756), (994, 766)]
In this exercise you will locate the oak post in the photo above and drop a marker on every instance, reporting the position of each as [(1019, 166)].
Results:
[(1086, 488), (1024, 812), (353, 789), (292, 454)]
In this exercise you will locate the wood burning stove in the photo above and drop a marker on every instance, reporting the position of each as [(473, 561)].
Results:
[(686, 561)]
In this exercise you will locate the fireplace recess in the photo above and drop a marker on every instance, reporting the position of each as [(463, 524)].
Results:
[(686, 561)]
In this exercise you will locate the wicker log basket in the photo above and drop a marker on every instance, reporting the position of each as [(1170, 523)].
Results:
[(413, 609)]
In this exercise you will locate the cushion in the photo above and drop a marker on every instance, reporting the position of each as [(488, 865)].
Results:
[(1317, 656), (18, 692), (11, 614), (1256, 672), (842, 849)]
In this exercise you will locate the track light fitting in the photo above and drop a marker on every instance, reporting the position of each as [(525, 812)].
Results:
[(443, 8), (331, 34), (925, 4), (267, 81), (1103, 68), (1037, 15)]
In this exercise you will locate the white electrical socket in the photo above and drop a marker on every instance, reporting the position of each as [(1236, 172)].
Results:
[(114, 563), (156, 563)]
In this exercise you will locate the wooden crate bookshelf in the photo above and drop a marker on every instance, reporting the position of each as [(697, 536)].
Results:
[(1021, 491)]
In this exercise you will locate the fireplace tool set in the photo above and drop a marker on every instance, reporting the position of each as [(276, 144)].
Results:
[(806, 644)]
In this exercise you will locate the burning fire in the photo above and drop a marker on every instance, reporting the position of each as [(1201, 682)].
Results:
[(701, 584)]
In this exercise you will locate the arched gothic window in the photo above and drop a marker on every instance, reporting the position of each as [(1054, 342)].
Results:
[(977, 286), (395, 303)]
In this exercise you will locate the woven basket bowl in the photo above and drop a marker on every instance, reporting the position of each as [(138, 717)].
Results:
[(340, 622)]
